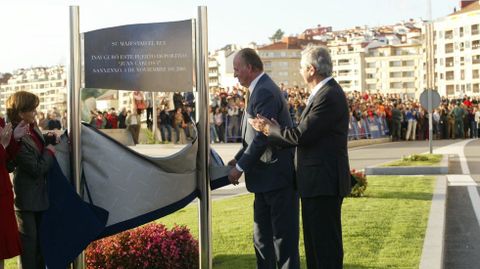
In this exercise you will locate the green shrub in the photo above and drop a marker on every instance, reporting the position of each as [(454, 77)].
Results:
[(416, 158)]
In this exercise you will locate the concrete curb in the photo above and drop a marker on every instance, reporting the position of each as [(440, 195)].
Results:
[(442, 169), (366, 142), (433, 245)]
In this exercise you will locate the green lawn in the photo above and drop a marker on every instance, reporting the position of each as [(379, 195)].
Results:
[(384, 229), (417, 160)]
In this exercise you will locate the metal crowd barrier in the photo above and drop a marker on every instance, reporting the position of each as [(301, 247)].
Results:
[(367, 128)]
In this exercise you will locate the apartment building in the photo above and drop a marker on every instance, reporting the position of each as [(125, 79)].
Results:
[(281, 60), (48, 83), (395, 69), (457, 51), (348, 60)]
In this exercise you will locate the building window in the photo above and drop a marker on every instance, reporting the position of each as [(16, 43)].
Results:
[(475, 73), (449, 34), (395, 63), (449, 62), (476, 88), (475, 30), (395, 74), (475, 44), (449, 75), (476, 59), (450, 90), (409, 85)]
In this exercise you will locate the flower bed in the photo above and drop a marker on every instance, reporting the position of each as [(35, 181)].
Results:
[(149, 246), (359, 188)]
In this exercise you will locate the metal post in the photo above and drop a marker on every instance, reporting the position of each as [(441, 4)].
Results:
[(154, 116), (430, 124), (203, 140), (74, 106)]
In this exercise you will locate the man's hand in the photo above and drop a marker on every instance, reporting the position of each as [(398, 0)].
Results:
[(262, 124), (234, 175), (232, 162)]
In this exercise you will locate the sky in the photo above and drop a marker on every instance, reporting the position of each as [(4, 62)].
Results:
[(35, 32)]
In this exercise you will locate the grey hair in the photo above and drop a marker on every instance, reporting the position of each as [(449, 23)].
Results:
[(318, 57)]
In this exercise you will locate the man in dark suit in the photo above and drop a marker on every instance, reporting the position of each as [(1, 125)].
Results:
[(269, 173), (323, 173)]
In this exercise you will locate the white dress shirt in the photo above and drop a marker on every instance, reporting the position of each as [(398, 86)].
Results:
[(252, 86)]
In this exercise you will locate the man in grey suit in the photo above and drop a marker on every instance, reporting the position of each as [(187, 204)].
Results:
[(323, 173), (269, 172)]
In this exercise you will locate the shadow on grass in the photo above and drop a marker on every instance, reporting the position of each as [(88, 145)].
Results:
[(239, 261), (247, 261), (403, 195)]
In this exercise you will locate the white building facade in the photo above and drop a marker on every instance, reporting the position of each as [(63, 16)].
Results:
[(457, 52), (48, 83)]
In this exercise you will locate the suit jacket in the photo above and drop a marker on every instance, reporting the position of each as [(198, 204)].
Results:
[(30, 175), (321, 141), (266, 168)]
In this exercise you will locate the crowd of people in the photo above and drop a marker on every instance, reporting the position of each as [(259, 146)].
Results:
[(372, 115)]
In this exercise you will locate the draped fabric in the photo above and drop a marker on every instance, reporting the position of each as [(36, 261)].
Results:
[(122, 189)]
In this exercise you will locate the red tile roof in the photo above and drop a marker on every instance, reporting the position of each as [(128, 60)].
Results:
[(472, 7)]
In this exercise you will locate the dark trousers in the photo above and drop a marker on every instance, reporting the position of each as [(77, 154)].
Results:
[(276, 229), (29, 226), (396, 130), (322, 232), (135, 131), (166, 132)]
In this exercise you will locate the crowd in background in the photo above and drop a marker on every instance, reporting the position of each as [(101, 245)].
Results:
[(373, 115)]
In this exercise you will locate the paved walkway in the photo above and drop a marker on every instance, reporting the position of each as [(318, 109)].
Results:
[(462, 234)]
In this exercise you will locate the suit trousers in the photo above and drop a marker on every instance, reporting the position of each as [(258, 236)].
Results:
[(29, 227), (322, 232), (276, 229)]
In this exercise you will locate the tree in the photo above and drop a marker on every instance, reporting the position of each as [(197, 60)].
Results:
[(4, 78), (277, 35)]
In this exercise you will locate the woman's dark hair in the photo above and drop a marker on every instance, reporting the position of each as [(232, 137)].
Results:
[(21, 101)]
